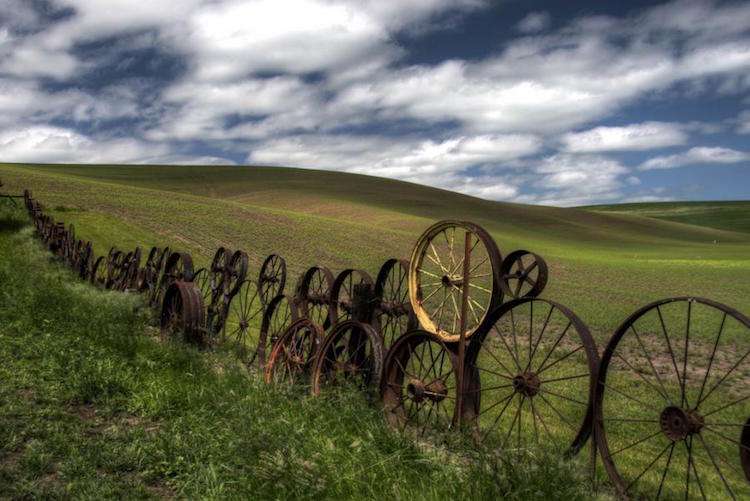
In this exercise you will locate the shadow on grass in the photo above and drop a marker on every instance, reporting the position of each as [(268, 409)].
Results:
[(10, 224)]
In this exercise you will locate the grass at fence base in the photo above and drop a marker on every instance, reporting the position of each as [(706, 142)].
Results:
[(93, 406)]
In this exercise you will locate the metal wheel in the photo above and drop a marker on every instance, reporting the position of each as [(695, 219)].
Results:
[(314, 295), (436, 278), (278, 316), (201, 279), (418, 389), (236, 273), (244, 318), (97, 273), (294, 353), (115, 261), (342, 294), (393, 315), (179, 267), (70, 244), (182, 313), (272, 278), (672, 402), (352, 353), (85, 260), (155, 275), (219, 269), (524, 274), (529, 378)]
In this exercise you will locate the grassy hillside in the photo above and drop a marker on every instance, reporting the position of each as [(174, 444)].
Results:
[(602, 265), (731, 216), (92, 406)]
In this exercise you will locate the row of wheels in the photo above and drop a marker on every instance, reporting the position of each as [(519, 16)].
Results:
[(667, 404)]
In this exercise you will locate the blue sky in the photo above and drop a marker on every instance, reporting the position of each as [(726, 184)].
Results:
[(557, 103)]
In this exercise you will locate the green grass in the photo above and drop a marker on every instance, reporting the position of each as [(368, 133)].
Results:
[(93, 406), (731, 216)]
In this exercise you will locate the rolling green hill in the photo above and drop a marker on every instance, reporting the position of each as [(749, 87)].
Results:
[(731, 216), (602, 264)]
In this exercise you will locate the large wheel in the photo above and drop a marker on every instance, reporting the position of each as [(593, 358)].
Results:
[(418, 389), (182, 313), (294, 353), (352, 353), (393, 315), (314, 295), (219, 269), (277, 317), (342, 294), (524, 274), (243, 321), (436, 278), (673, 400), (272, 278), (529, 378)]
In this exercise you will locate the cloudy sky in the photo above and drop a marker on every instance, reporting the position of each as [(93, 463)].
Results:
[(551, 102)]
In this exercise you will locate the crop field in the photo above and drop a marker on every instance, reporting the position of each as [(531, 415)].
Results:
[(604, 262)]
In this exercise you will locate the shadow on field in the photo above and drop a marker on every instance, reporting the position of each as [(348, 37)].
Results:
[(9, 224)]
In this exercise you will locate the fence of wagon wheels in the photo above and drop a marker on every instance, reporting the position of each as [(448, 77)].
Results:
[(458, 338)]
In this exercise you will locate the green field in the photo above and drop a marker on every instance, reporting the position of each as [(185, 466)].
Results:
[(604, 262)]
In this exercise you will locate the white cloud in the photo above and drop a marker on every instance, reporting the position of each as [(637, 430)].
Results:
[(696, 156), (743, 126), (46, 144), (634, 137), (534, 22)]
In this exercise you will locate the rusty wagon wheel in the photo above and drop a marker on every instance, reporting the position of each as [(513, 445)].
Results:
[(85, 260), (314, 295), (158, 259), (236, 273), (115, 261), (342, 294), (272, 278), (436, 278), (201, 279), (418, 387), (70, 245), (352, 353), (243, 319), (97, 274), (280, 313), (294, 353), (529, 378), (672, 401), (182, 313), (393, 315), (179, 267), (219, 268), (524, 274)]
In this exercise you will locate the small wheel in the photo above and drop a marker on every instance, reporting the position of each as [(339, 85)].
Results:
[(352, 353), (219, 269), (393, 315), (529, 378), (342, 294), (179, 267), (97, 273), (236, 273), (314, 295), (673, 400), (272, 278), (436, 278), (278, 316), (182, 313), (244, 317), (294, 353), (524, 274), (418, 389)]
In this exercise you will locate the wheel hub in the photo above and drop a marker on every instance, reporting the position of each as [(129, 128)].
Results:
[(448, 281), (418, 391), (678, 424), (528, 383)]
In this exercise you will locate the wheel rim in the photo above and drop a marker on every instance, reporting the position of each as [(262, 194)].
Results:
[(352, 353), (272, 278), (529, 378), (524, 274), (436, 278), (236, 273), (419, 383), (672, 401), (314, 295), (293, 354), (244, 317), (393, 314)]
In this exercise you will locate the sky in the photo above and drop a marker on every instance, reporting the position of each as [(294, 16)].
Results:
[(542, 102)]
